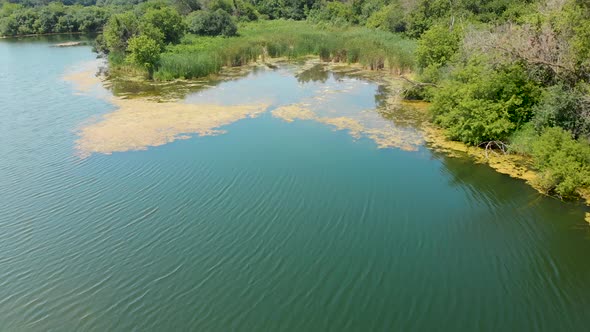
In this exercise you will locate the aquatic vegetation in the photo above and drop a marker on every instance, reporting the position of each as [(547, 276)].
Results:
[(140, 123), (199, 56)]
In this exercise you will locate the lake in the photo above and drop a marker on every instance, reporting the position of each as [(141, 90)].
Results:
[(264, 219)]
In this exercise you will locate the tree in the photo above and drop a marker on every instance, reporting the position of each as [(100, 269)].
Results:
[(212, 24), (389, 18), (481, 103), (119, 29), (565, 107), (144, 52), (436, 48), (186, 6), (168, 21), (149, 30)]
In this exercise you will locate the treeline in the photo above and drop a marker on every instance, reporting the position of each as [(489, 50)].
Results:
[(410, 17), (16, 19)]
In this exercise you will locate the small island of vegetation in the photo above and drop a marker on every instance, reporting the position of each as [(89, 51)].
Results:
[(499, 74)]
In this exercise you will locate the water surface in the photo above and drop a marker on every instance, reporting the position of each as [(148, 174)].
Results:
[(271, 226)]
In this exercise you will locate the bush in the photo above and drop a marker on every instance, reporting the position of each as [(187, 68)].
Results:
[(214, 23), (337, 13), (521, 141), (436, 48), (245, 11), (144, 52), (565, 107), (564, 162), (119, 29), (389, 18), (480, 103), (168, 21)]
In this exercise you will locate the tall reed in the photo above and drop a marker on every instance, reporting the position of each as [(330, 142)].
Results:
[(200, 56)]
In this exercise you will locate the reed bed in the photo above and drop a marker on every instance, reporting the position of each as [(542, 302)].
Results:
[(199, 56)]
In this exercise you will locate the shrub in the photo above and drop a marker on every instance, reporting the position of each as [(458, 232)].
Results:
[(480, 103), (565, 107), (337, 13), (389, 18), (563, 161), (214, 23), (521, 141), (166, 20), (119, 29), (437, 46), (144, 52)]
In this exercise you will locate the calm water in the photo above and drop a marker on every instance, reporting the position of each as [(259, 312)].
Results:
[(273, 226)]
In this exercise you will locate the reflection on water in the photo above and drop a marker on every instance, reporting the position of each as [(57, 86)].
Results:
[(317, 73), (307, 92), (274, 226)]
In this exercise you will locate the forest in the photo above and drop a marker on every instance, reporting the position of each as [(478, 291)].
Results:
[(509, 74)]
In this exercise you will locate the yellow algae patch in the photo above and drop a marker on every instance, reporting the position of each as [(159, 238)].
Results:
[(84, 81), (140, 123), (588, 217), (85, 77), (395, 138), (344, 123), (516, 166), (293, 112), (384, 135)]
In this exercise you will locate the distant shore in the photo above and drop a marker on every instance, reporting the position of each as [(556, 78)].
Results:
[(44, 34)]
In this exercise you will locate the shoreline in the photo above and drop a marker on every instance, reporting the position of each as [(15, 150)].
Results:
[(515, 166), (46, 34)]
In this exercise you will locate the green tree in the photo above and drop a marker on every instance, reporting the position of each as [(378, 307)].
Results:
[(436, 48), (212, 24), (168, 21), (119, 29), (566, 108), (480, 103), (144, 52), (389, 18), (426, 13)]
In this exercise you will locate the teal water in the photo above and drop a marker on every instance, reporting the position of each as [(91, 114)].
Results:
[(272, 226)]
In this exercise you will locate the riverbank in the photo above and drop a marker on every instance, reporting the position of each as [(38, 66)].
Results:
[(44, 34), (513, 165)]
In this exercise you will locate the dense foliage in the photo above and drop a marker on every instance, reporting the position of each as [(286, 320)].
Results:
[(207, 23), (480, 103), (144, 52), (411, 17), (54, 18), (524, 82)]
